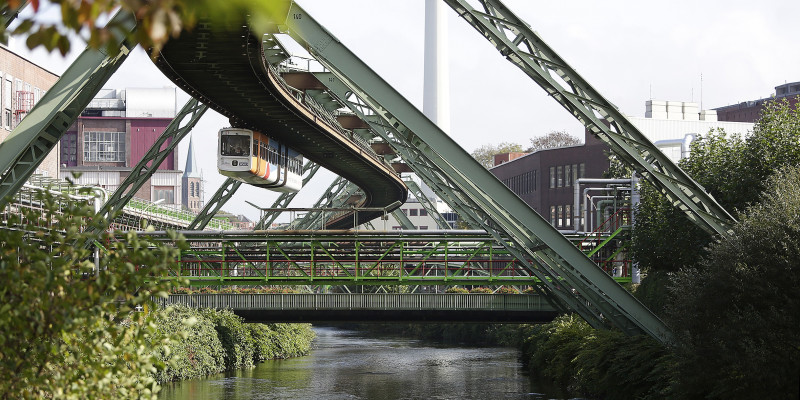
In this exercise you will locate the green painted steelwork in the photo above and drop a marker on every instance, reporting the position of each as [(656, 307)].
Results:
[(434, 213), (181, 125), (40, 131), (521, 46), (309, 169), (568, 277), (272, 257), (223, 194)]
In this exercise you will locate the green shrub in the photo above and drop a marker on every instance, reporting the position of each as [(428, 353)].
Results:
[(200, 351), (234, 336), (507, 290), (481, 290), (456, 289)]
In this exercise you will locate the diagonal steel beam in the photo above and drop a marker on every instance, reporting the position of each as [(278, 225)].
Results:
[(222, 195), (521, 46), (607, 303), (434, 213), (181, 125), (39, 132)]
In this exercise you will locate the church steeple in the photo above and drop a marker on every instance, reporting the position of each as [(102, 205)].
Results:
[(191, 170), (192, 181)]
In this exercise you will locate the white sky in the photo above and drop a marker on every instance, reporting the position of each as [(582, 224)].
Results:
[(630, 51)]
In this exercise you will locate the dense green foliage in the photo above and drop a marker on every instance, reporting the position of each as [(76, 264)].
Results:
[(217, 340), (737, 313), (64, 331), (579, 360), (732, 303), (733, 169)]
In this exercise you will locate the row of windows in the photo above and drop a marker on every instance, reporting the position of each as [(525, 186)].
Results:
[(566, 175), (522, 183), (194, 189), (561, 216), (421, 227), (413, 212), (104, 146)]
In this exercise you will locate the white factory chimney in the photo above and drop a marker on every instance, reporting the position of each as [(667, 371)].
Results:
[(436, 97)]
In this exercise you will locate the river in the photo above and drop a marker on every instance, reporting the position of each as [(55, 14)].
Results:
[(353, 365)]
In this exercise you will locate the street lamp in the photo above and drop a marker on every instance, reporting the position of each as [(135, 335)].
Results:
[(144, 222)]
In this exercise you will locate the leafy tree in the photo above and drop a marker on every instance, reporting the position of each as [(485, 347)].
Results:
[(157, 20), (552, 140), (737, 314), (733, 169), (485, 154), (64, 331)]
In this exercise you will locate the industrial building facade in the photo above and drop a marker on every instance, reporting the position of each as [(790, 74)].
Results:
[(750, 111), (114, 133), (545, 179)]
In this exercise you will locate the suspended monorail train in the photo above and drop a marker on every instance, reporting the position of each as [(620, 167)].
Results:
[(254, 158)]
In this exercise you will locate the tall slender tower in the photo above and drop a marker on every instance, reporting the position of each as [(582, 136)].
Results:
[(192, 182), (436, 95)]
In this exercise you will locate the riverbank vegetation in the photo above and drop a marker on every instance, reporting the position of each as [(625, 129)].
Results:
[(70, 328), (731, 302), (214, 341)]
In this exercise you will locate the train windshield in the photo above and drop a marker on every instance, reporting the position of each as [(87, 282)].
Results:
[(235, 145)]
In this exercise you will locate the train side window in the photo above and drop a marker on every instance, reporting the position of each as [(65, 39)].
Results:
[(264, 151), (255, 146)]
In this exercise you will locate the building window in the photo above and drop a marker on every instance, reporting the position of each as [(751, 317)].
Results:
[(396, 228), (582, 172), (552, 177), (575, 173), (167, 194), (405, 211), (560, 176), (560, 213), (412, 212), (423, 227), (423, 212), (104, 146), (69, 149), (7, 103), (568, 215), (553, 215), (568, 175)]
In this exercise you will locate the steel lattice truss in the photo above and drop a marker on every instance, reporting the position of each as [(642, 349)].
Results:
[(520, 45), (568, 277)]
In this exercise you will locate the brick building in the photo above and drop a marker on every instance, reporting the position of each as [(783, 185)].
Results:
[(22, 84), (750, 111), (114, 133)]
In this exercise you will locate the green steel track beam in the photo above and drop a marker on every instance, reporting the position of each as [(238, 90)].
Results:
[(40, 131), (521, 46), (578, 282), (223, 194), (180, 126), (309, 169)]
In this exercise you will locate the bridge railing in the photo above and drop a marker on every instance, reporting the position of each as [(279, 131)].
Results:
[(363, 301)]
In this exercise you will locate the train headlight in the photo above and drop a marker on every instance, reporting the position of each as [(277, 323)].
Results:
[(235, 163)]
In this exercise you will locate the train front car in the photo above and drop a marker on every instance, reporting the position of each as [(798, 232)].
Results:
[(255, 159)]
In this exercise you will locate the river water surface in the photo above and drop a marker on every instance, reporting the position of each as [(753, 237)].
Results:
[(352, 365)]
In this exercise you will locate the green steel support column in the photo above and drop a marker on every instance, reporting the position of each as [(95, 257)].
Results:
[(594, 294), (180, 126), (441, 222), (402, 218), (520, 45), (223, 194), (39, 132), (309, 169)]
